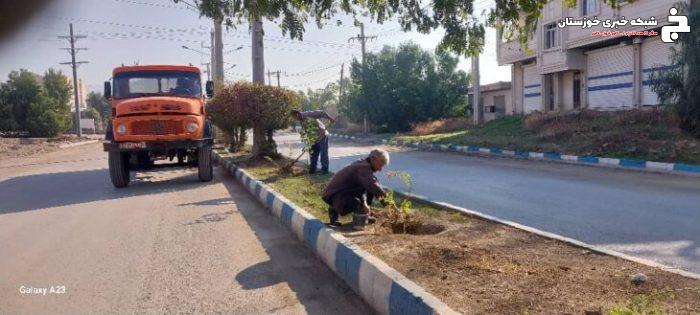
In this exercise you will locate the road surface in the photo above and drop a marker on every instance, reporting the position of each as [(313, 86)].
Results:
[(166, 244), (653, 216)]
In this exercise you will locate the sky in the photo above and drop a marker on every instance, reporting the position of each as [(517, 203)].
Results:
[(154, 31)]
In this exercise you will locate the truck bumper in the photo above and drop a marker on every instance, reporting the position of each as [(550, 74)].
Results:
[(155, 146)]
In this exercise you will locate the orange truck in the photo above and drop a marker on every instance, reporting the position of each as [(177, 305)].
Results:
[(158, 114)]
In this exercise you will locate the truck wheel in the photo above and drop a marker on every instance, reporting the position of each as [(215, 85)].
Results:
[(206, 170), (118, 169)]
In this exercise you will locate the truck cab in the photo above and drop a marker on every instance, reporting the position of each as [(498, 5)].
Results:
[(158, 114)]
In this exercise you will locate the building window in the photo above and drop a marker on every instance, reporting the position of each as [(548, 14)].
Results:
[(589, 7), (550, 35)]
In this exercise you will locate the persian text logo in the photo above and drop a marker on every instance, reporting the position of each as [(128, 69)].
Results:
[(669, 33)]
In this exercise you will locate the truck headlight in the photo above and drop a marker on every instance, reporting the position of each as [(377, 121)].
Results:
[(121, 129), (192, 127)]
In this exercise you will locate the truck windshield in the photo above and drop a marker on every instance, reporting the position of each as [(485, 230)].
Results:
[(157, 83)]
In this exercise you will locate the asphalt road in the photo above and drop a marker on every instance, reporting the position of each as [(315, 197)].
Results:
[(166, 244), (653, 216)]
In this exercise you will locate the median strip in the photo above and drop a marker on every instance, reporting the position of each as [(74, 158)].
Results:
[(382, 287), (471, 263)]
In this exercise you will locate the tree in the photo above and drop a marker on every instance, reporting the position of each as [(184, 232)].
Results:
[(229, 113), (464, 32), (324, 98), (7, 121), (100, 104), (58, 91), (41, 110), (405, 85), (679, 85), (43, 120), (241, 105), (22, 90)]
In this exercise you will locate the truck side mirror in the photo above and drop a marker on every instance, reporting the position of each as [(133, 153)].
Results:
[(108, 90), (210, 89)]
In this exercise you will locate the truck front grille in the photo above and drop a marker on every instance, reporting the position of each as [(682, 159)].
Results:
[(157, 128)]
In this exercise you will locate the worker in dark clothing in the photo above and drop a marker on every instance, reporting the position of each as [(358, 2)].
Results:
[(320, 148), (352, 189)]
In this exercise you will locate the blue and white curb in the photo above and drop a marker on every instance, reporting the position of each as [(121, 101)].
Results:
[(641, 165), (379, 285)]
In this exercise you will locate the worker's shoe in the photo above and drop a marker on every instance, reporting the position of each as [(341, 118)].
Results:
[(335, 224), (371, 220)]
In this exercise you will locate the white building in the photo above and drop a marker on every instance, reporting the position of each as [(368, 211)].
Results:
[(82, 95), (495, 99), (575, 67)]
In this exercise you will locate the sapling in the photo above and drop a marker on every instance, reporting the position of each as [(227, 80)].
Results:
[(400, 217)]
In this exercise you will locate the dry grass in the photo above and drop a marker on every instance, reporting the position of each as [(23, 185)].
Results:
[(440, 126)]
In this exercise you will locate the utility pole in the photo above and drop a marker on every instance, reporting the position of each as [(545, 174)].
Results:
[(476, 102), (73, 50), (208, 64), (213, 56), (218, 51), (363, 39), (340, 86), (269, 77), (257, 49)]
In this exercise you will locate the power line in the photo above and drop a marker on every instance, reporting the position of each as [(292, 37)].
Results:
[(117, 24), (309, 72), (314, 82), (363, 40), (295, 42), (159, 5)]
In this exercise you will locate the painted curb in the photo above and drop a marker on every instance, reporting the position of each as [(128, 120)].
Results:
[(77, 144), (529, 229), (639, 165), (380, 286)]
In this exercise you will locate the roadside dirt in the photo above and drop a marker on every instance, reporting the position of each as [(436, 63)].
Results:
[(480, 267), (22, 147)]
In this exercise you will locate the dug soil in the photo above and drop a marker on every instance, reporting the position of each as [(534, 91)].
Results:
[(482, 267)]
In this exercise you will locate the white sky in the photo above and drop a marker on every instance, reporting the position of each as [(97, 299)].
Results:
[(154, 31)]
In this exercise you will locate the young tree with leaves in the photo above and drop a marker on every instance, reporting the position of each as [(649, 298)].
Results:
[(679, 85)]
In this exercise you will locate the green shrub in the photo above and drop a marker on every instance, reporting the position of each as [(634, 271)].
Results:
[(244, 105)]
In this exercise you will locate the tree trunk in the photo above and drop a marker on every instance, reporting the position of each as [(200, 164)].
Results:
[(242, 138), (233, 146), (260, 146), (259, 141), (272, 146)]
